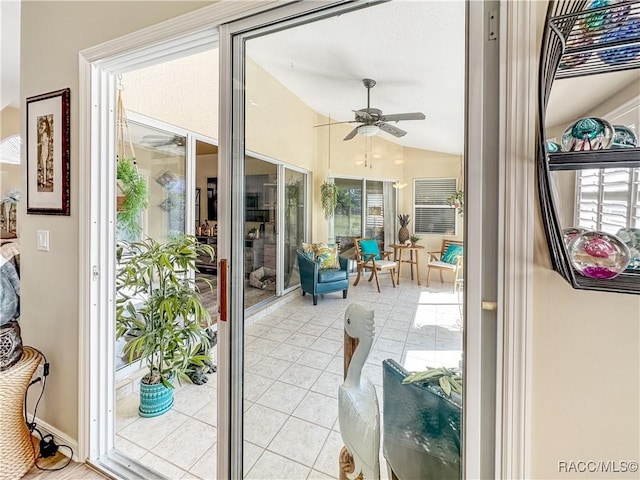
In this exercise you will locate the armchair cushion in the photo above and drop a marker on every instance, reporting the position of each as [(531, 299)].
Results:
[(331, 275), (452, 254), (368, 248)]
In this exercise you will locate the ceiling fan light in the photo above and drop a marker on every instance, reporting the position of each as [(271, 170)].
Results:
[(368, 130)]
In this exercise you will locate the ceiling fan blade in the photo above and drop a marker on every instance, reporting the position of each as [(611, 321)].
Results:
[(334, 123), (403, 116), (351, 134), (395, 131)]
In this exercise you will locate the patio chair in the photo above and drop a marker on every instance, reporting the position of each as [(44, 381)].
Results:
[(447, 259), (318, 281), (369, 257)]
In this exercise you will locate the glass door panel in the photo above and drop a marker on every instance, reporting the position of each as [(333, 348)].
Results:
[(260, 230), (347, 220), (161, 158), (295, 194), (374, 212)]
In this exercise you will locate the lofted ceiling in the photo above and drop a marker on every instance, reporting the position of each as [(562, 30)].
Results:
[(415, 50)]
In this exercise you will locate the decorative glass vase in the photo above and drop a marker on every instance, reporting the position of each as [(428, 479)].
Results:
[(598, 255), (631, 238), (624, 137), (589, 133), (629, 30), (594, 23)]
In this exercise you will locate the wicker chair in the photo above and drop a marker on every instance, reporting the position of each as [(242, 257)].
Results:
[(369, 257)]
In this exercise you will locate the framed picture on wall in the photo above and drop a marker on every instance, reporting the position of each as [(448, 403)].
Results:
[(48, 154)]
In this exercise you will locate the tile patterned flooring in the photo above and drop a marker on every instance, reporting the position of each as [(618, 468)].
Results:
[(293, 369)]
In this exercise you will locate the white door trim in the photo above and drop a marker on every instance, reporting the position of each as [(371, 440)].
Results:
[(519, 51), (193, 32)]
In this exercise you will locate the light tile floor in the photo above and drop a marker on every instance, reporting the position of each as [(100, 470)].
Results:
[(293, 369)]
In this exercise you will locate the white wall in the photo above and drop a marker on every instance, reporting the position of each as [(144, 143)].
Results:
[(52, 35), (585, 369)]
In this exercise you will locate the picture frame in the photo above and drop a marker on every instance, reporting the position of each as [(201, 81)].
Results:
[(48, 153)]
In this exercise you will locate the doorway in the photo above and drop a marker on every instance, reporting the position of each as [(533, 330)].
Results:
[(230, 405)]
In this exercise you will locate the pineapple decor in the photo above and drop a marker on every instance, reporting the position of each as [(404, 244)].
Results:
[(403, 233)]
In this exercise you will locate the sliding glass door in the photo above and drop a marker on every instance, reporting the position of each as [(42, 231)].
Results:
[(295, 223)]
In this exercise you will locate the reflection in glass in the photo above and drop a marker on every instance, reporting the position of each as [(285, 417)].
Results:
[(161, 160)]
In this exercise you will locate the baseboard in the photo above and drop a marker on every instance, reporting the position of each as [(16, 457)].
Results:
[(60, 439)]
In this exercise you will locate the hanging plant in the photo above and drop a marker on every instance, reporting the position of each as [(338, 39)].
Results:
[(134, 190), (457, 200), (329, 198)]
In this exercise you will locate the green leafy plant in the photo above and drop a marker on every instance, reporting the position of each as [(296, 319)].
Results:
[(329, 198), (158, 306), (414, 238), (134, 190), (403, 220), (449, 379), (457, 200)]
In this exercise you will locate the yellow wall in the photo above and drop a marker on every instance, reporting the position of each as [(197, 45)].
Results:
[(10, 175), (50, 279), (585, 367)]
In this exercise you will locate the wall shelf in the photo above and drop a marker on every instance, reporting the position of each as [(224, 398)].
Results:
[(598, 40), (576, 40), (627, 158)]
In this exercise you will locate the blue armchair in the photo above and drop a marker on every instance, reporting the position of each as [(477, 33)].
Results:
[(318, 281), (421, 429)]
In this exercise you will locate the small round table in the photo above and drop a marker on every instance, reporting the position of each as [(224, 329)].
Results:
[(16, 449), (397, 255)]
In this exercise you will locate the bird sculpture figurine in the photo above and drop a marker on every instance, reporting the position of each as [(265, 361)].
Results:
[(358, 411)]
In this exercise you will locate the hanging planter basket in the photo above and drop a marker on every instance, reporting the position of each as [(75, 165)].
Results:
[(132, 197)]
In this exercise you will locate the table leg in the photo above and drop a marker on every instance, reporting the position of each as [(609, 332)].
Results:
[(411, 263), (399, 265), (418, 266)]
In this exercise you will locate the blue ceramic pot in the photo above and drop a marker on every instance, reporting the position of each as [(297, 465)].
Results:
[(155, 399), (624, 137)]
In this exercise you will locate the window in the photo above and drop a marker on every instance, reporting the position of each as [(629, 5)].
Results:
[(431, 213), (609, 199)]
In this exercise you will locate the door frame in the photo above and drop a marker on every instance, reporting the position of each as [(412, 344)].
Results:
[(97, 66)]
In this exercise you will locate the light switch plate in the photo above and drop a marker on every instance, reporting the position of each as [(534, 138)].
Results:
[(43, 240)]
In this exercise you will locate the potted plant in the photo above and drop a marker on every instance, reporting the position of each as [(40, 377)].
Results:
[(448, 379), (134, 197), (403, 233), (457, 200), (414, 239), (159, 308), (329, 198)]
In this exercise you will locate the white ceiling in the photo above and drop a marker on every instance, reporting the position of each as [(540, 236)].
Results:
[(9, 53), (415, 50)]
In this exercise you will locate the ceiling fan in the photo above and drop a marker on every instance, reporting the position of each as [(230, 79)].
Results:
[(373, 120), (163, 140)]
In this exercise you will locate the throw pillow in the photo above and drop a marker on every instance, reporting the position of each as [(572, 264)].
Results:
[(452, 254), (328, 255), (307, 249), (368, 248)]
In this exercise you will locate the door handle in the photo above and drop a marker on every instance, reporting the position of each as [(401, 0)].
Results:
[(222, 300), (489, 306)]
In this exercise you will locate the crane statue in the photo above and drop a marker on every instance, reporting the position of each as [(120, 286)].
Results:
[(358, 411)]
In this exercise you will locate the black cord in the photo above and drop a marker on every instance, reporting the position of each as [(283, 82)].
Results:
[(47, 442)]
